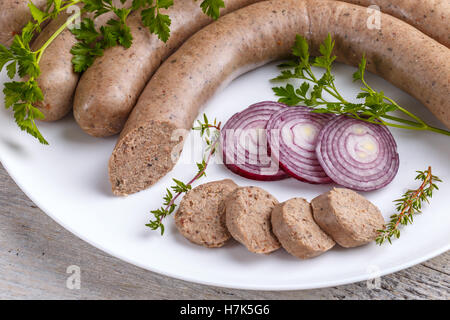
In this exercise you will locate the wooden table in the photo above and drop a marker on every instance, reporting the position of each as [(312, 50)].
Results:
[(35, 253)]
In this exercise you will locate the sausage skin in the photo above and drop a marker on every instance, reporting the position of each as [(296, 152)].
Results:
[(432, 17), (109, 89), (148, 147), (14, 15), (57, 79)]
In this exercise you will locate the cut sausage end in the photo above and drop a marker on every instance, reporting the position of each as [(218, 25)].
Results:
[(143, 156)]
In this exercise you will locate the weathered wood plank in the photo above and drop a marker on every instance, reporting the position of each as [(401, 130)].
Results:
[(35, 253)]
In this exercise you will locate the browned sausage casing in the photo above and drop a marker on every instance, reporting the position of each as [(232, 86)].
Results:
[(14, 15), (432, 17), (251, 37), (109, 89), (58, 81)]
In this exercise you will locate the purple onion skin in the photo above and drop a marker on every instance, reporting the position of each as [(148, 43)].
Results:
[(241, 170), (345, 173), (317, 176), (256, 177)]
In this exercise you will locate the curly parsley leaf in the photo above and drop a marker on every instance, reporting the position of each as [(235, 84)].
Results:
[(91, 43), (156, 22), (38, 15), (116, 32), (212, 8), (20, 96), (86, 32), (84, 55)]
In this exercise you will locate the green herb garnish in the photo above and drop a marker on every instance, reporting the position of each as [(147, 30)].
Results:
[(409, 205), (375, 108), (210, 132)]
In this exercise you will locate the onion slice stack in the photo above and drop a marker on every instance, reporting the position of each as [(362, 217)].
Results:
[(244, 143), (292, 137), (356, 154)]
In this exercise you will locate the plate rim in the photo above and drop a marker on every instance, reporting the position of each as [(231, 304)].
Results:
[(255, 287)]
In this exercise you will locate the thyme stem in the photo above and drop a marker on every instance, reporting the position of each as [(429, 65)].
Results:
[(180, 188), (408, 205)]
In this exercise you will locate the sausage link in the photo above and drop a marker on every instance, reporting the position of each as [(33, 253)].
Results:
[(109, 89), (432, 17), (148, 147), (14, 15), (58, 80)]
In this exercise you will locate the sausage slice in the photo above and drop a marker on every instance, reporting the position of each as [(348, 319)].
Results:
[(201, 215), (295, 228), (349, 218), (248, 211)]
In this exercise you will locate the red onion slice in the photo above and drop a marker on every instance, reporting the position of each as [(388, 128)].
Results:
[(357, 154), (244, 143), (292, 137)]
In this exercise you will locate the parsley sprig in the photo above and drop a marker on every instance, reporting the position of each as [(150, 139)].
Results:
[(375, 108), (210, 132), (408, 205), (92, 43), (20, 59)]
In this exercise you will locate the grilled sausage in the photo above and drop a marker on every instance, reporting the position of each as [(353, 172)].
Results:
[(109, 89), (14, 15), (431, 17), (58, 81), (248, 212), (349, 218), (200, 218), (251, 37), (295, 228)]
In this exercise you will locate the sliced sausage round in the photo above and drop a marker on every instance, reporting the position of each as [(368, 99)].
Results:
[(201, 215), (298, 233), (349, 218), (248, 212)]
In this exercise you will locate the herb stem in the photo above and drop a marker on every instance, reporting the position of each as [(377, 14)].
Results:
[(408, 205), (197, 176), (180, 187), (69, 5), (56, 34)]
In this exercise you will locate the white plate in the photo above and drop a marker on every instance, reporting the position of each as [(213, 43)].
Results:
[(68, 180)]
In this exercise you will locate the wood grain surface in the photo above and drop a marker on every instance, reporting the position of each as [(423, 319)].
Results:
[(35, 253)]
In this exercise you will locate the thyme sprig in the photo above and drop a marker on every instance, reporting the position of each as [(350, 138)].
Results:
[(409, 205), (375, 108), (210, 132)]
